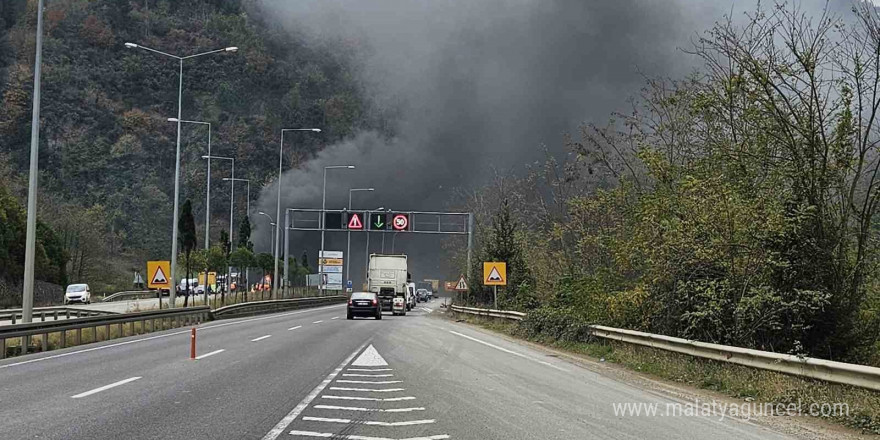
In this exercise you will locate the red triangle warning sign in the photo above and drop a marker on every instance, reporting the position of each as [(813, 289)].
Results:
[(159, 277), (354, 222)]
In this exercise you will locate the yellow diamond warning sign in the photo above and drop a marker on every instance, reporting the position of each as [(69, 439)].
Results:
[(158, 273), (494, 273)]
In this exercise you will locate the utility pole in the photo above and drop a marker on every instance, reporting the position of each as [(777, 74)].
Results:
[(27, 300)]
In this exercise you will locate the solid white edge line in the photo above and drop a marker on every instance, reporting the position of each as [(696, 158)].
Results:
[(506, 350), (294, 328), (166, 335), (261, 338), (298, 409), (211, 353), (105, 387)]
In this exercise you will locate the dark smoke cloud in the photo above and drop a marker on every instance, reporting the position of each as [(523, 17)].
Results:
[(480, 84)]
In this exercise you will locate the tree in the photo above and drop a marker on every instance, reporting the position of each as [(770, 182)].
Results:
[(266, 263), (243, 259), (244, 235), (216, 261), (304, 262), (503, 245), (188, 241)]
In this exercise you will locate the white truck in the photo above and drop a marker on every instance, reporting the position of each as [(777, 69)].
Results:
[(387, 278)]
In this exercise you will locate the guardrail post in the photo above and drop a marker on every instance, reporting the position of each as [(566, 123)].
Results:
[(67, 314), (13, 318), (107, 332), (63, 338), (2, 348), (43, 316), (45, 341), (56, 315), (95, 334), (78, 337)]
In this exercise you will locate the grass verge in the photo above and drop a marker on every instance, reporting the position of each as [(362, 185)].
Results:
[(733, 380)]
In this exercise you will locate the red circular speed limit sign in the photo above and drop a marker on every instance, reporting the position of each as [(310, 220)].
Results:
[(400, 222)]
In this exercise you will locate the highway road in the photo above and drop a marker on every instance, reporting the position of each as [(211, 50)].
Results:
[(313, 374)]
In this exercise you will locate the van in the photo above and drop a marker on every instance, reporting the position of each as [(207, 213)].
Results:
[(78, 293)]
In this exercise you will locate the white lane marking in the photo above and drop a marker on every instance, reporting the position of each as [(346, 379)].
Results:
[(507, 351), (294, 328), (335, 317), (210, 354), (368, 422), (369, 369), (370, 358), (292, 415), (361, 437), (261, 338), (318, 322), (366, 375), (425, 309), (105, 387), (352, 408), (386, 390), (380, 382), (369, 399), (165, 335)]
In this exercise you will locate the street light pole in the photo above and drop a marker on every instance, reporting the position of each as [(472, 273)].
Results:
[(272, 223), (27, 300), (275, 280), (231, 218), (172, 295), (248, 182), (366, 225), (324, 202), (207, 184)]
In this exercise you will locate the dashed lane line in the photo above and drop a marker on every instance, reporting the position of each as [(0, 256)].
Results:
[(335, 317), (318, 322), (368, 422), (165, 335), (292, 415), (104, 388), (294, 328), (261, 338), (210, 354), (369, 369)]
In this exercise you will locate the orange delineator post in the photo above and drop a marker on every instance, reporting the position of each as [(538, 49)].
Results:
[(192, 346)]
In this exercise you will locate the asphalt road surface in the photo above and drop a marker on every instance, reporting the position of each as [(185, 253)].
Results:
[(313, 374)]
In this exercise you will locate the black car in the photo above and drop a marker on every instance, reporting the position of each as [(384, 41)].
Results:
[(364, 304)]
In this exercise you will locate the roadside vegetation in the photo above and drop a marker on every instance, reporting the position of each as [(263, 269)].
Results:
[(736, 206)]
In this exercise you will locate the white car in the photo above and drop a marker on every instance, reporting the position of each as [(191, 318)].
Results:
[(78, 293), (194, 286)]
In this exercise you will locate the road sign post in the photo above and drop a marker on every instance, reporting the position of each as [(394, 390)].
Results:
[(495, 274)]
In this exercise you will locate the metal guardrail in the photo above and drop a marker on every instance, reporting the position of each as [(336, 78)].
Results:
[(504, 314), (260, 307), (51, 312), (157, 320), (838, 372), (108, 298)]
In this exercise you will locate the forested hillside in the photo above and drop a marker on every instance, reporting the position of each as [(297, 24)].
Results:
[(106, 148), (737, 205)]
